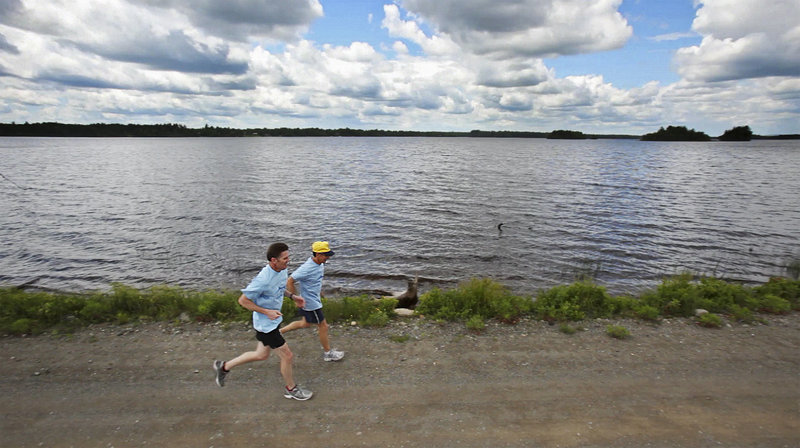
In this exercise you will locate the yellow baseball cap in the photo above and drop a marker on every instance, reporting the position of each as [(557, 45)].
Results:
[(321, 247)]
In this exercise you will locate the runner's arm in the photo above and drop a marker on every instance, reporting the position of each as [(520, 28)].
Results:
[(247, 303)]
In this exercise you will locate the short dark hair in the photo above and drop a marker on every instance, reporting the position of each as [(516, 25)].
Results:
[(275, 250)]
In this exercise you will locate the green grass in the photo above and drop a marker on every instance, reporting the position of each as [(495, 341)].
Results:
[(567, 329), (709, 320), (474, 303), (23, 312), (399, 338), (618, 332), (476, 324), (484, 298)]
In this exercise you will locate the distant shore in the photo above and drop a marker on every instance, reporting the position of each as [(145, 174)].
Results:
[(52, 129)]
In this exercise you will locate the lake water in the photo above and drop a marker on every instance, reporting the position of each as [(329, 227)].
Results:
[(79, 214)]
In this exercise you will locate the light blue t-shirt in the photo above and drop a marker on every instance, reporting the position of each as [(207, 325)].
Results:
[(266, 290), (309, 275)]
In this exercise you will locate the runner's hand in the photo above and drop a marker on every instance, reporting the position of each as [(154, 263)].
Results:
[(273, 314)]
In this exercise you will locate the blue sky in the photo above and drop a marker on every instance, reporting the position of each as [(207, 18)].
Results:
[(603, 66)]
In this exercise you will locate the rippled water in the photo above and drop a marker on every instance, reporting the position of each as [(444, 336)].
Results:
[(79, 214)]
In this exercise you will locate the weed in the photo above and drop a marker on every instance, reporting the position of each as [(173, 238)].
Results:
[(773, 304), (367, 311), (376, 319), (482, 297), (476, 324), (574, 302), (400, 338), (618, 332), (676, 296), (709, 320), (567, 328), (742, 314), (781, 287), (646, 312)]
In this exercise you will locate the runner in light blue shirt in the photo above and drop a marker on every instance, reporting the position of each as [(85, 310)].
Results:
[(309, 278), (264, 297)]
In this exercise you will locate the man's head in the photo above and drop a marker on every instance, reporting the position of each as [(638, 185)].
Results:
[(321, 251), (278, 256)]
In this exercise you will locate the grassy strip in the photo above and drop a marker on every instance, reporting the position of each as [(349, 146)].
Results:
[(24, 312), (677, 296), (474, 302)]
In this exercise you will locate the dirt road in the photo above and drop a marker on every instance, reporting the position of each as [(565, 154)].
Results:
[(528, 385)]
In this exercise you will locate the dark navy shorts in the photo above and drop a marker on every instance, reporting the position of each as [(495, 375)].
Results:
[(273, 339), (312, 317)]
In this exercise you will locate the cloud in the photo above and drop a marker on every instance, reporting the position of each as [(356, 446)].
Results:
[(246, 19), (129, 33), (6, 46), (531, 28), (513, 73), (672, 36), (410, 30), (743, 39)]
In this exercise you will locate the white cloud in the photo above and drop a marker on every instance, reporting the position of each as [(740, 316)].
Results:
[(246, 19), (743, 39), (672, 36), (531, 28), (410, 30)]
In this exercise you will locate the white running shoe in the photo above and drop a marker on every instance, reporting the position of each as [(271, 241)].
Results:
[(333, 355)]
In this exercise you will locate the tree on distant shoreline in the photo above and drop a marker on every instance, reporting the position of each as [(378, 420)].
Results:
[(567, 135), (676, 134), (737, 134)]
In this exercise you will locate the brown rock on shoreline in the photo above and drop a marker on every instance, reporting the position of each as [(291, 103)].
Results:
[(669, 385)]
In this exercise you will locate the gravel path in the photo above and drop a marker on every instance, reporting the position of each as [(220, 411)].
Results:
[(526, 385)]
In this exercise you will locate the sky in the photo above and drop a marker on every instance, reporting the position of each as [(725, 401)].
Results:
[(599, 66)]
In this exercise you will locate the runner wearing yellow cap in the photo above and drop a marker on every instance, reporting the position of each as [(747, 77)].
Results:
[(309, 278)]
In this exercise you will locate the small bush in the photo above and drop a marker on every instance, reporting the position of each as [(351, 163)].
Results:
[(23, 326), (782, 287), (376, 319), (773, 304), (367, 311), (618, 332), (742, 314), (681, 295), (400, 338), (646, 312), (96, 311), (574, 302), (482, 297), (476, 324), (623, 305), (209, 306), (710, 320), (675, 296), (567, 329)]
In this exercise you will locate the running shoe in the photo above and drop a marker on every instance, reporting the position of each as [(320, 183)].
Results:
[(333, 355), (220, 373), (298, 393)]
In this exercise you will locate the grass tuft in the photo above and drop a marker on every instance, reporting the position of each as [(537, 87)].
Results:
[(618, 332), (709, 320)]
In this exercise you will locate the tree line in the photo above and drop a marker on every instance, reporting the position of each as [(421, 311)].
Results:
[(53, 129)]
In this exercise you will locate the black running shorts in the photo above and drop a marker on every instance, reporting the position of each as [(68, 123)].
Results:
[(273, 339)]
